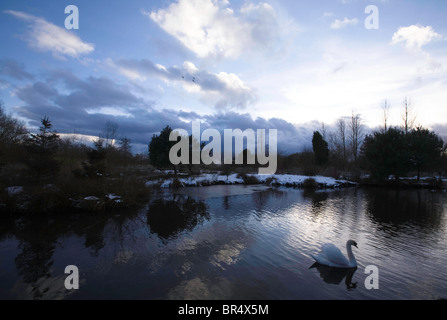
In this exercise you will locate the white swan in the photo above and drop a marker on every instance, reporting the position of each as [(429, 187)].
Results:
[(331, 256)]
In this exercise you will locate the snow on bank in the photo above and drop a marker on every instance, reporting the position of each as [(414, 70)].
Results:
[(110, 196), (12, 191), (274, 179)]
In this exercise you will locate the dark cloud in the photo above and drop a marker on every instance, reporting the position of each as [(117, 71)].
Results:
[(13, 69), (291, 138), (98, 92), (74, 106), (441, 130), (37, 93), (68, 101)]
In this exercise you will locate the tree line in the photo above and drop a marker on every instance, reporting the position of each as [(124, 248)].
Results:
[(43, 172), (49, 170), (389, 151), (348, 150), (335, 152)]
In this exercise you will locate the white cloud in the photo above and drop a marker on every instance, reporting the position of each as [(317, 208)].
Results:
[(46, 36), (235, 92), (338, 24), (212, 29), (345, 76), (415, 36), (223, 90)]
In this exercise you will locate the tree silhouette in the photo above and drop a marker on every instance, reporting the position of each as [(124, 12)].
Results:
[(12, 134), (386, 154), (168, 218), (159, 149), (320, 148), (95, 166), (425, 149), (125, 145), (395, 152), (41, 153)]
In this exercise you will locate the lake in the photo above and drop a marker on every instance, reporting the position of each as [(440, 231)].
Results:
[(233, 242)]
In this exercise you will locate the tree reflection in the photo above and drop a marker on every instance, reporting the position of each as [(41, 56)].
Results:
[(399, 206), (40, 235), (34, 263), (37, 236), (318, 199), (261, 198), (168, 218), (94, 240)]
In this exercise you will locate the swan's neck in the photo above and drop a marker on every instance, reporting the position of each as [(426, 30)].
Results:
[(350, 254)]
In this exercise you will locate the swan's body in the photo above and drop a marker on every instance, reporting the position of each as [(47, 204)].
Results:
[(331, 256)]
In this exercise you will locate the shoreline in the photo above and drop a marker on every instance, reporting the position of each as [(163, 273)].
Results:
[(19, 198), (276, 180), (291, 180), (430, 183)]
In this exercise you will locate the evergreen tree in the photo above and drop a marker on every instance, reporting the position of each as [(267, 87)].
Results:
[(320, 148), (397, 153), (425, 149), (95, 166), (386, 153), (125, 145), (159, 149), (41, 151)]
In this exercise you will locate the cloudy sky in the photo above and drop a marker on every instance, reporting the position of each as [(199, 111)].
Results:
[(283, 64)]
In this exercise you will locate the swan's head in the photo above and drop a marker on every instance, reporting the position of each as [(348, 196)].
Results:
[(352, 243)]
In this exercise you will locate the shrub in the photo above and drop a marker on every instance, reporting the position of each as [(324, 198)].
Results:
[(176, 183), (310, 183), (271, 181), (248, 179)]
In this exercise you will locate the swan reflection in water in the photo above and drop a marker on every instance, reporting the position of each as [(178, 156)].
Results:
[(333, 275), (334, 266)]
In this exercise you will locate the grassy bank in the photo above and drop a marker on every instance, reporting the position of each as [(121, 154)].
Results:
[(117, 191)]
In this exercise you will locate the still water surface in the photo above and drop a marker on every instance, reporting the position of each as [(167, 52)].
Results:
[(233, 242)]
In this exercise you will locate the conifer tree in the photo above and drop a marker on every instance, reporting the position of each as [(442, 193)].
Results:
[(320, 148), (41, 149)]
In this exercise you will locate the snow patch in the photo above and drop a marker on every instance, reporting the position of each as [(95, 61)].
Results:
[(91, 198), (12, 191), (277, 179)]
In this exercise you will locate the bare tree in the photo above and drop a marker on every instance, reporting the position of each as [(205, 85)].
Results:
[(338, 142), (355, 134), (323, 131), (12, 131), (110, 133), (408, 116), (341, 134), (125, 145), (386, 114)]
